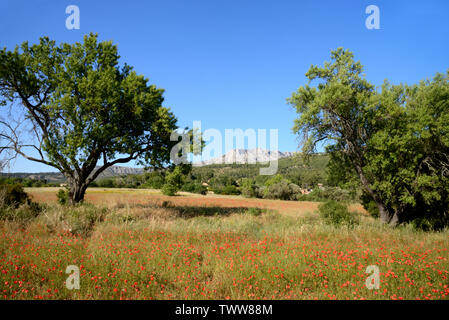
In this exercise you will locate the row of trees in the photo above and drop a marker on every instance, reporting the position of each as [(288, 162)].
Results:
[(26, 182)]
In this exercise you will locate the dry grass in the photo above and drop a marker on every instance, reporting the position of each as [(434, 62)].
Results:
[(114, 196)]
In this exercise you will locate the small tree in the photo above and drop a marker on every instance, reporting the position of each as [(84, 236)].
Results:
[(173, 181), (82, 108), (249, 188)]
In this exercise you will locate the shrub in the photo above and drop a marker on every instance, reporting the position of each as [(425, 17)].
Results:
[(274, 180), (153, 180), (329, 193), (13, 195), (336, 214), (82, 219), (282, 190), (369, 205), (169, 190), (249, 188), (194, 187), (254, 211), (106, 183), (173, 182), (22, 214), (63, 196), (227, 190)]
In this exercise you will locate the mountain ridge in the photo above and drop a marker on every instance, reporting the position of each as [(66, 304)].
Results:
[(246, 156)]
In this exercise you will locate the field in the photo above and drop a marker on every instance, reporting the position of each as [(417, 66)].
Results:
[(139, 244)]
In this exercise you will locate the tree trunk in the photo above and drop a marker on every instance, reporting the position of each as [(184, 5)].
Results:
[(76, 192), (386, 215)]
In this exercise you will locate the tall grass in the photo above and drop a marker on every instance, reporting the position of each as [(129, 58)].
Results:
[(163, 251)]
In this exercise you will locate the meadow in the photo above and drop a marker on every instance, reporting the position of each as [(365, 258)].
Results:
[(139, 244)]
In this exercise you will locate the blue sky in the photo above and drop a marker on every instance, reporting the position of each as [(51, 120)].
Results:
[(232, 64)]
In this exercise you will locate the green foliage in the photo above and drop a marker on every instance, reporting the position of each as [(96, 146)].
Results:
[(194, 186), (22, 214), (15, 204), (335, 213), (408, 160), (169, 190), (248, 188), (283, 190), (13, 195), (81, 219), (254, 211), (227, 190), (329, 193), (224, 184), (274, 180), (63, 196), (369, 205), (153, 180), (173, 181), (395, 141), (26, 182)]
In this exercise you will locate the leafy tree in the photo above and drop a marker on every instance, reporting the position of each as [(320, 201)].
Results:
[(283, 190), (275, 179), (83, 109), (396, 141), (154, 180), (173, 181), (249, 188), (409, 158)]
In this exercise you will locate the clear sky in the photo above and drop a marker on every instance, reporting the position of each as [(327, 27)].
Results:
[(232, 64)]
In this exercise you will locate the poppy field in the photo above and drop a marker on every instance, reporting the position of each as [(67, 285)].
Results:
[(169, 249)]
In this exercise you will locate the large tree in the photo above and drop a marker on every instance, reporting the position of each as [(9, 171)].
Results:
[(74, 108), (396, 140)]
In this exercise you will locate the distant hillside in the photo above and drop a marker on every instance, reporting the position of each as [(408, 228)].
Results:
[(293, 167), (235, 165), (57, 177)]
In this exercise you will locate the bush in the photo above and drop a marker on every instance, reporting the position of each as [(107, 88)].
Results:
[(226, 190), (194, 187), (369, 205), (169, 190), (82, 219), (336, 214), (173, 182), (154, 180), (13, 195), (106, 183), (254, 211), (282, 190), (22, 214), (63, 196), (329, 193), (249, 188)]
